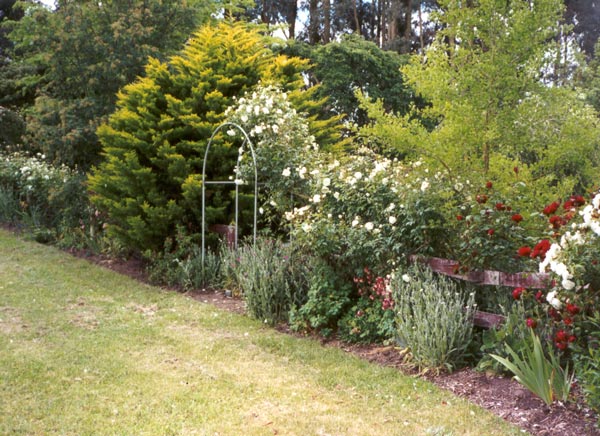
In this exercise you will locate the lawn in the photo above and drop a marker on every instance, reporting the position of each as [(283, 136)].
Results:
[(85, 351)]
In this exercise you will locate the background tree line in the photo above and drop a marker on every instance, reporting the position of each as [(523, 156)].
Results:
[(61, 68)]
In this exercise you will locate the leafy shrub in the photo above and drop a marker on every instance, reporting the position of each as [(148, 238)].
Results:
[(49, 200), (588, 365), (369, 210), (371, 319), (513, 333), (327, 299), (154, 144), (272, 278), (433, 319)]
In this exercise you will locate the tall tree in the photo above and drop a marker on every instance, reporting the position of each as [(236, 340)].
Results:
[(88, 50), (482, 80), (585, 17)]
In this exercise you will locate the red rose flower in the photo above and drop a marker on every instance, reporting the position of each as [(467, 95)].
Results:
[(561, 345), (551, 208), (555, 314), (568, 321), (459, 217), (490, 232), (481, 198), (561, 336), (539, 296), (573, 309), (572, 338), (516, 293), (524, 251), (500, 206), (516, 170), (541, 248), (489, 185), (531, 323), (556, 221), (517, 218)]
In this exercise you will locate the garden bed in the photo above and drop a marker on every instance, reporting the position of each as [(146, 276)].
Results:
[(501, 395)]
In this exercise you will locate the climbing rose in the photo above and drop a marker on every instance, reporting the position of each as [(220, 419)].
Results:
[(524, 251), (531, 323), (573, 309), (517, 218), (516, 293), (551, 208)]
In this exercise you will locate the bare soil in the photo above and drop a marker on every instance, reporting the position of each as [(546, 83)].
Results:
[(502, 396)]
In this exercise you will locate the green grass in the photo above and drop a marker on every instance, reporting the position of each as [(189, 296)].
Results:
[(85, 351)]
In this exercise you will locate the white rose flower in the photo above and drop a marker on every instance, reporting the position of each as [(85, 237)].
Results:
[(355, 222), (369, 226), (554, 302), (406, 278), (568, 284), (286, 172), (316, 198), (326, 181), (392, 219)]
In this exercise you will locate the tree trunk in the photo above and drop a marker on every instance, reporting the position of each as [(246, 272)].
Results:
[(291, 15), (264, 13), (313, 24), (407, 19), (326, 21), (356, 20), (421, 36)]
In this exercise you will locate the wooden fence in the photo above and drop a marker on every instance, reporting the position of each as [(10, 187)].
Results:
[(497, 278)]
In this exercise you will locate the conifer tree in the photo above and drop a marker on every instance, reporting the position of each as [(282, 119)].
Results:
[(150, 180)]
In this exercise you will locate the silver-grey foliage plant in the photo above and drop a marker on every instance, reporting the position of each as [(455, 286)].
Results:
[(433, 318)]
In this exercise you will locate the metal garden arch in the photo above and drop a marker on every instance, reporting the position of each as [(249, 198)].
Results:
[(229, 182)]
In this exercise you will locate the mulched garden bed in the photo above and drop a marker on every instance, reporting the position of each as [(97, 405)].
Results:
[(502, 396)]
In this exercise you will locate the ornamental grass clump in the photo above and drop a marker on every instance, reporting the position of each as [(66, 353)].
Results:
[(271, 278), (433, 318)]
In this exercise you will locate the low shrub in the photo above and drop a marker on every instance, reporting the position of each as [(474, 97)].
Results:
[(49, 200), (327, 299), (371, 319), (180, 264), (433, 319)]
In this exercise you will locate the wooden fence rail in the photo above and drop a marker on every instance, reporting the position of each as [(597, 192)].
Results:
[(497, 278)]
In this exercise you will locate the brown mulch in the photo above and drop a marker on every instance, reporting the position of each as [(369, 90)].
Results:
[(502, 396)]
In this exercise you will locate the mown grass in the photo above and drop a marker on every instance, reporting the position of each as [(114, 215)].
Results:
[(85, 351)]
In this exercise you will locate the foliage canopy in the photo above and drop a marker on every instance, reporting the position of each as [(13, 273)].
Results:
[(154, 143)]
